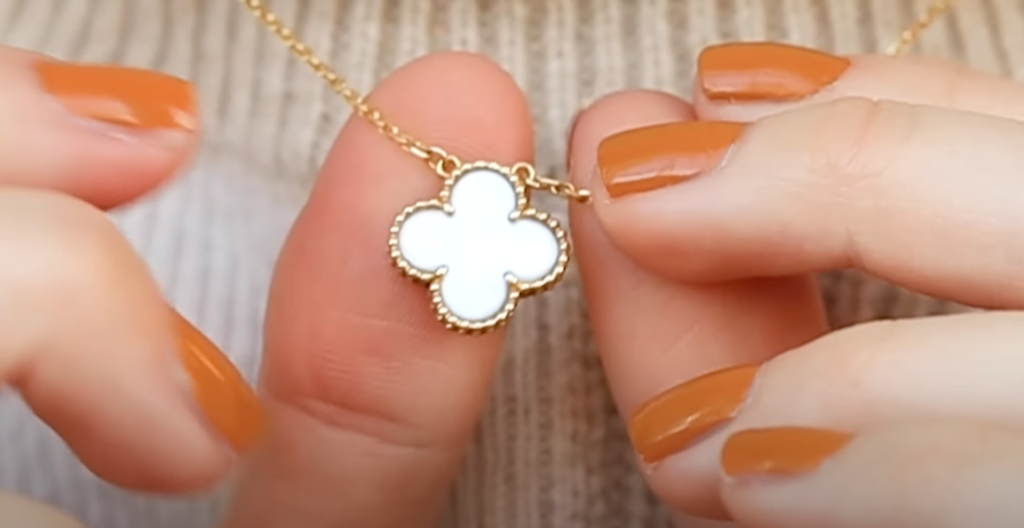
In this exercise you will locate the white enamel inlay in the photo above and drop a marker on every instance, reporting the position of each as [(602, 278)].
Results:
[(479, 245)]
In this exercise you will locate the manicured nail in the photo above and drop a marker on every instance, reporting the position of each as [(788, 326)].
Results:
[(766, 71), (780, 451), (649, 158), (230, 405), (122, 96), (674, 419)]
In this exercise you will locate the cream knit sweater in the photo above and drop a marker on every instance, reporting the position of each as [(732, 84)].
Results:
[(551, 451)]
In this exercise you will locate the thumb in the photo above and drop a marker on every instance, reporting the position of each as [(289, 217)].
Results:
[(372, 401)]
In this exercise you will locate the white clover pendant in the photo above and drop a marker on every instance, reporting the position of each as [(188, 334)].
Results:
[(480, 247)]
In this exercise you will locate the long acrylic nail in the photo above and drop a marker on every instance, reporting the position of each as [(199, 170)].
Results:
[(766, 71), (674, 419), (649, 158), (127, 97), (780, 451), (230, 405)]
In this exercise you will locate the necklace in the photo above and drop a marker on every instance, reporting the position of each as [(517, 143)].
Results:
[(480, 246)]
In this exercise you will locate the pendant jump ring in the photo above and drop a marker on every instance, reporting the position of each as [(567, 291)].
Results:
[(525, 171), (443, 163)]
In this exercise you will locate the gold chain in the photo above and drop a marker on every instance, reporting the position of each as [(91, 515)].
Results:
[(912, 34), (444, 163)]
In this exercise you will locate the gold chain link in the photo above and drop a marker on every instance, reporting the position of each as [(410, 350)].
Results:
[(912, 34), (442, 162), (445, 164)]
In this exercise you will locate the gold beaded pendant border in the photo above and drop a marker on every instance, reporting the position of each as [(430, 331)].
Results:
[(517, 289)]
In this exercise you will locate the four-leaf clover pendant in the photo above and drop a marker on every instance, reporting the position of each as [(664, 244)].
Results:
[(480, 247)]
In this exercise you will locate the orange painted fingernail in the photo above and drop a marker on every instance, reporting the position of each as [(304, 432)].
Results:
[(766, 71), (674, 419), (649, 158), (122, 96), (230, 405), (780, 450)]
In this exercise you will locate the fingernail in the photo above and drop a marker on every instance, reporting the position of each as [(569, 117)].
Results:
[(674, 419), (230, 405), (780, 451), (649, 158), (766, 71), (128, 97)]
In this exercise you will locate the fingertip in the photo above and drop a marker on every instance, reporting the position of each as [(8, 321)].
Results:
[(116, 171), (188, 467), (462, 102), (924, 81), (615, 113), (421, 99), (104, 134), (138, 425), (930, 473), (599, 233)]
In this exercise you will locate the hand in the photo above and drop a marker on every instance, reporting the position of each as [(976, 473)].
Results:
[(899, 424), (85, 334), (370, 402)]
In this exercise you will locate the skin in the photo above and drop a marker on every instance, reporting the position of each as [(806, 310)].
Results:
[(719, 222), (372, 405)]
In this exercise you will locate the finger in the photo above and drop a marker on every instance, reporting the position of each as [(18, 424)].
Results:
[(653, 333), (748, 81), (953, 367), (22, 512), (372, 400), (107, 135), (935, 475), (921, 196), (93, 348), (104, 134)]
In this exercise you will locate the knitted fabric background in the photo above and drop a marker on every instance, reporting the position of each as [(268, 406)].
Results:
[(550, 452)]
